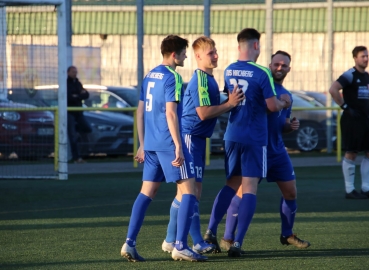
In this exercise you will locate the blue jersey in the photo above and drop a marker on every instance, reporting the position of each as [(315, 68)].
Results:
[(202, 90), (161, 85), (276, 122), (247, 122)]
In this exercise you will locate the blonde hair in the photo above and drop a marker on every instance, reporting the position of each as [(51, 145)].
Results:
[(203, 42)]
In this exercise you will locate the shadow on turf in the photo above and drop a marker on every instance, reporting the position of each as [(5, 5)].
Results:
[(163, 222), (222, 257), (291, 253)]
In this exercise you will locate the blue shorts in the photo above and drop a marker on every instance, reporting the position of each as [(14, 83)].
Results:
[(246, 160), (197, 147), (280, 167), (158, 166)]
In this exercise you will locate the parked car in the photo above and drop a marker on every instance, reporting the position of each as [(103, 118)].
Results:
[(128, 93), (112, 132), (312, 132), (29, 134), (318, 96)]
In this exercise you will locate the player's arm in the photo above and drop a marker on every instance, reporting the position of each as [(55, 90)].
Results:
[(141, 131), (334, 90), (291, 125), (275, 105), (140, 122), (208, 112), (173, 125)]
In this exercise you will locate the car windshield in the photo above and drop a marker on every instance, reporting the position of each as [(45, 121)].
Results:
[(129, 95), (104, 99), (301, 102)]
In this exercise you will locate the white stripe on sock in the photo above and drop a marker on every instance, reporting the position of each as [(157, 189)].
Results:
[(364, 169)]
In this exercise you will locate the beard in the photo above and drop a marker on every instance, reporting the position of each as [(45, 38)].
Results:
[(279, 79)]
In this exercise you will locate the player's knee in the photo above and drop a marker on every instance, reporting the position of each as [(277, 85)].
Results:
[(234, 182), (350, 155), (187, 186), (149, 189), (290, 193)]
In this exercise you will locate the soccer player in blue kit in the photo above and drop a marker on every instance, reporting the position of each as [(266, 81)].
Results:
[(200, 110), (279, 166), (162, 149), (246, 136)]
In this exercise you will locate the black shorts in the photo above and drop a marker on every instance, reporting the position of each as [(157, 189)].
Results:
[(355, 133)]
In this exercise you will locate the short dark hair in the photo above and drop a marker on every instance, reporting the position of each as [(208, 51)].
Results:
[(283, 53), (173, 43), (248, 34), (69, 68), (358, 49)]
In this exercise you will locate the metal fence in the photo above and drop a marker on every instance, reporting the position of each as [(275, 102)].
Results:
[(116, 42), (318, 34)]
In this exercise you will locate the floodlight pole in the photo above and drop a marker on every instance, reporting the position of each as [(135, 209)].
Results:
[(329, 76), (3, 63), (140, 41), (62, 97), (68, 7), (268, 30), (207, 6)]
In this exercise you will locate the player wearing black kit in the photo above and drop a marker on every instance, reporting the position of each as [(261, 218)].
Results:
[(355, 121)]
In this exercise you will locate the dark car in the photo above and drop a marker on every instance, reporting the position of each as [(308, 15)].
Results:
[(128, 93), (312, 132), (313, 125), (112, 132), (29, 134), (318, 96)]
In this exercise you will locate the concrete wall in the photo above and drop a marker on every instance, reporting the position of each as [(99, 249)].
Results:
[(308, 50)]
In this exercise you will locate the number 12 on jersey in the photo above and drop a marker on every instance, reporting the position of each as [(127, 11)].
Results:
[(243, 85)]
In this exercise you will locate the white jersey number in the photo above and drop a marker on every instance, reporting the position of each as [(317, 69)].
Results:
[(149, 96), (198, 171), (243, 85)]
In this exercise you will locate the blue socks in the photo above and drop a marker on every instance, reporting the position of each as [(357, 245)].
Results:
[(245, 214), (220, 206), (137, 217), (195, 229), (287, 211), (232, 218), (172, 225), (185, 214)]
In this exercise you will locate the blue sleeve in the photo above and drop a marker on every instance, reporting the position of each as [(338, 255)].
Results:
[(267, 84), (201, 86), (170, 89), (194, 91)]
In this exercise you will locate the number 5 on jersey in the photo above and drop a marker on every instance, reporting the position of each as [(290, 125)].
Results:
[(149, 96), (243, 85)]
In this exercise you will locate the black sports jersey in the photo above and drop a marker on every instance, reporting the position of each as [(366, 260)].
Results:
[(356, 90)]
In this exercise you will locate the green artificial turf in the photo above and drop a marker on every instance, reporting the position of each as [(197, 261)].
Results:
[(82, 223)]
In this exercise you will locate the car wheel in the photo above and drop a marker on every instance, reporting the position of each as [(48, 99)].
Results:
[(307, 137)]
